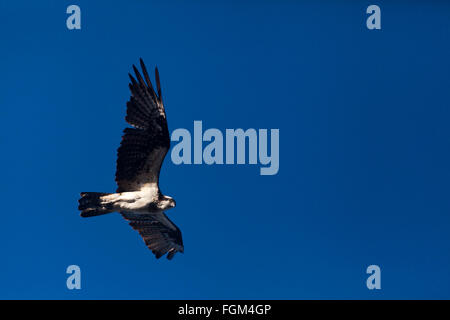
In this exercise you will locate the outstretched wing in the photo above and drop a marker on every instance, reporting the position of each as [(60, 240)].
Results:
[(143, 147), (159, 233)]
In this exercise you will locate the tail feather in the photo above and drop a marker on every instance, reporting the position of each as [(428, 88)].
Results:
[(91, 205)]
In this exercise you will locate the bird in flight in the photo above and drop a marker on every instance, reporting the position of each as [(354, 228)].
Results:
[(139, 158)]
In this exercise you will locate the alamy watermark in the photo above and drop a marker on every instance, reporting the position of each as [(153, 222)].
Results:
[(374, 280), (74, 280), (373, 22), (73, 22), (237, 147)]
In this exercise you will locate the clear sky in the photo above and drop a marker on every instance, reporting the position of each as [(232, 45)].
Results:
[(364, 174)]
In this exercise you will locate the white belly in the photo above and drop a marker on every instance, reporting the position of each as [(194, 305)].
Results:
[(135, 201)]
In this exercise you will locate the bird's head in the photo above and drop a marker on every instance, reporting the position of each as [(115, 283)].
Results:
[(167, 202)]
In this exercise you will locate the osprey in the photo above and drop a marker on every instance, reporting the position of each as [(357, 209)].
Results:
[(139, 158)]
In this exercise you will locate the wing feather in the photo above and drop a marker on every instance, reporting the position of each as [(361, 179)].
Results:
[(143, 147), (147, 79), (159, 233)]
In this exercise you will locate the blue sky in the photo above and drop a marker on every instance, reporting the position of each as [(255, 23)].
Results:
[(364, 148)]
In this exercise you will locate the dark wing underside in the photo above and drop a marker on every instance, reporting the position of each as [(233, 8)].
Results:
[(143, 147), (160, 234)]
